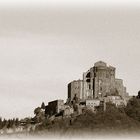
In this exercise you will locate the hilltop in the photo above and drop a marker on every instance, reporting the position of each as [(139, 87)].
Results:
[(113, 121), (99, 103), (117, 121)]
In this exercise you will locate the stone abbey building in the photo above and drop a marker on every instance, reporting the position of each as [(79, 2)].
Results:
[(98, 87), (98, 82)]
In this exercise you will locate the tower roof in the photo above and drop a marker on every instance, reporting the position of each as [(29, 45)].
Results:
[(100, 63)]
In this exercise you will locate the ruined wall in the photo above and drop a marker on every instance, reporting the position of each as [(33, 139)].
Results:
[(92, 102), (117, 100), (54, 107)]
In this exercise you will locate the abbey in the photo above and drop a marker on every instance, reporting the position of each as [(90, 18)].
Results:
[(97, 83), (98, 87)]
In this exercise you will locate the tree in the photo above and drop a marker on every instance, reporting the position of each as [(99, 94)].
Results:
[(0, 123), (39, 115), (9, 125), (4, 123), (75, 99), (43, 105), (17, 122), (133, 108), (37, 110), (138, 95)]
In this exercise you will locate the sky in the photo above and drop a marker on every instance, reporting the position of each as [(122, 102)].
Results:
[(45, 45)]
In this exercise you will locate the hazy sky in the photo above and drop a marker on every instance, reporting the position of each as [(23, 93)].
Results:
[(43, 48)]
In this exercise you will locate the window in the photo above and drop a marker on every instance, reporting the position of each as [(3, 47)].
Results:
[(100, 88), (89, 87)]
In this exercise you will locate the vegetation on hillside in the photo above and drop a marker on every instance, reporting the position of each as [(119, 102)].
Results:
[(112, 120), (124, 119)]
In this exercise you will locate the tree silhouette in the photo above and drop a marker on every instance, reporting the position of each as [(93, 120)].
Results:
[(37, 110), (43, 105), (0, 123), (133, 109), (39, 115), (4, 123), (138, 95), (17, 122)]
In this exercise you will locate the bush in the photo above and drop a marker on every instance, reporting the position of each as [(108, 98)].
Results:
[(133, 108)]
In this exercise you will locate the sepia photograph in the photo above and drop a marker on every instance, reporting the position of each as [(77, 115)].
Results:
[(70, 69)]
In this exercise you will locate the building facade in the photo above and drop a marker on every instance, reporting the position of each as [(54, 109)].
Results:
[(75, 88), (92, 103), (98, 82), (117, 100), (54, 107)]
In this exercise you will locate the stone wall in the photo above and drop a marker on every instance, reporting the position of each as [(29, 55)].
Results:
[(75, 87)]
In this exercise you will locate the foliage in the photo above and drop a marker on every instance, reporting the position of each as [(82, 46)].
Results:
[(37, 110), (133, 108), (138, 95), (39, 115), (10, 123), (112, 119)]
